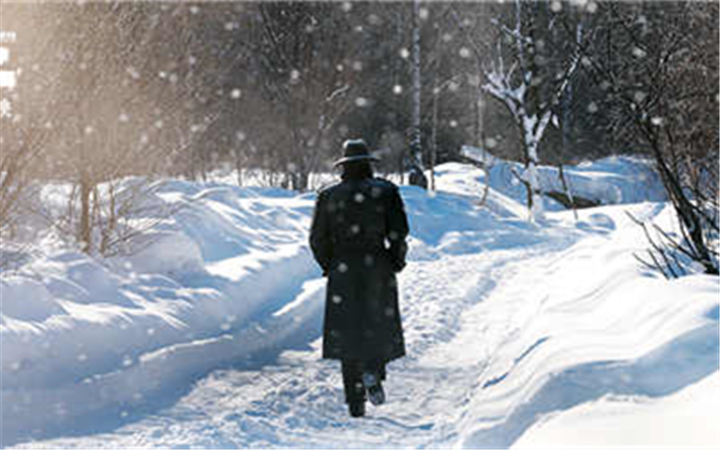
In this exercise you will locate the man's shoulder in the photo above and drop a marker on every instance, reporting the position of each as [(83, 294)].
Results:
[(343, 187), (383, 183), (327, 188)]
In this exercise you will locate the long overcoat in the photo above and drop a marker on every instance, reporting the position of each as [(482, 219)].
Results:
[(358, 237)]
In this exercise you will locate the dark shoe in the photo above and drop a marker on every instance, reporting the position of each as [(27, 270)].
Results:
[(375, 391), (357, 409)]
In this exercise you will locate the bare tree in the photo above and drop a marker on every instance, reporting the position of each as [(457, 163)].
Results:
[(302, 55), (113, 96), (528, 72), (662, 92)]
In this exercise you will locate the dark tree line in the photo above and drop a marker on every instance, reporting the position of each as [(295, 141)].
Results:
[(116, 89)]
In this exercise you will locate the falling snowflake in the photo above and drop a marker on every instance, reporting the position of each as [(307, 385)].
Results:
[(369, 260), (657, 121), (639, 53), (4, 55), (133, 72), (474, 80), (5, 108)]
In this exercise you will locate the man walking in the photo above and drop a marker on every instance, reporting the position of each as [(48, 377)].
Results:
[(358, 238)]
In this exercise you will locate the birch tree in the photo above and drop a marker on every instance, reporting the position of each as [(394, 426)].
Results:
[(528, 72)]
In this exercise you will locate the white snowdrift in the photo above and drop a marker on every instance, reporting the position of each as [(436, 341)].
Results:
[(609, 181), (525, 320), (593, 325), (67, 317), (686, 419)]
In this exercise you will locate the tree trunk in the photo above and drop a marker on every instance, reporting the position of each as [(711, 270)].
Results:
[(566, 127), (685, 210), (433, 153), (417, 177), (239, 165), (85, 231)]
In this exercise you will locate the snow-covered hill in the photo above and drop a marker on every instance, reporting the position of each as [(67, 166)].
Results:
[(209, 336)]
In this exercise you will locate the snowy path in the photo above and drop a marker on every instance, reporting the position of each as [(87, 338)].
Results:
[(297, 401), (482, 365)]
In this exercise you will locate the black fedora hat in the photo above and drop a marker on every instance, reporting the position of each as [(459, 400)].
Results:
[(355, 150)]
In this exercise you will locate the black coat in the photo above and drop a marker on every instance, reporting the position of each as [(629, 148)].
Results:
[(358, 238)]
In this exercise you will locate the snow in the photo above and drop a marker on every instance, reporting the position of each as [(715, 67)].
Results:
[(627, 421), (8, 79), (608, 181), (519, 333)]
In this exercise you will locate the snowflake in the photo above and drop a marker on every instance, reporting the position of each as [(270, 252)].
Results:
[(5, 108), (4, 55)]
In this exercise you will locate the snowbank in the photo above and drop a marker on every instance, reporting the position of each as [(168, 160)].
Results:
[(590, 324), (686, 419), (608, 181), (67, 317)]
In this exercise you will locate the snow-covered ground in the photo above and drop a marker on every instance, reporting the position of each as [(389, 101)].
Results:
[(518, 333)]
